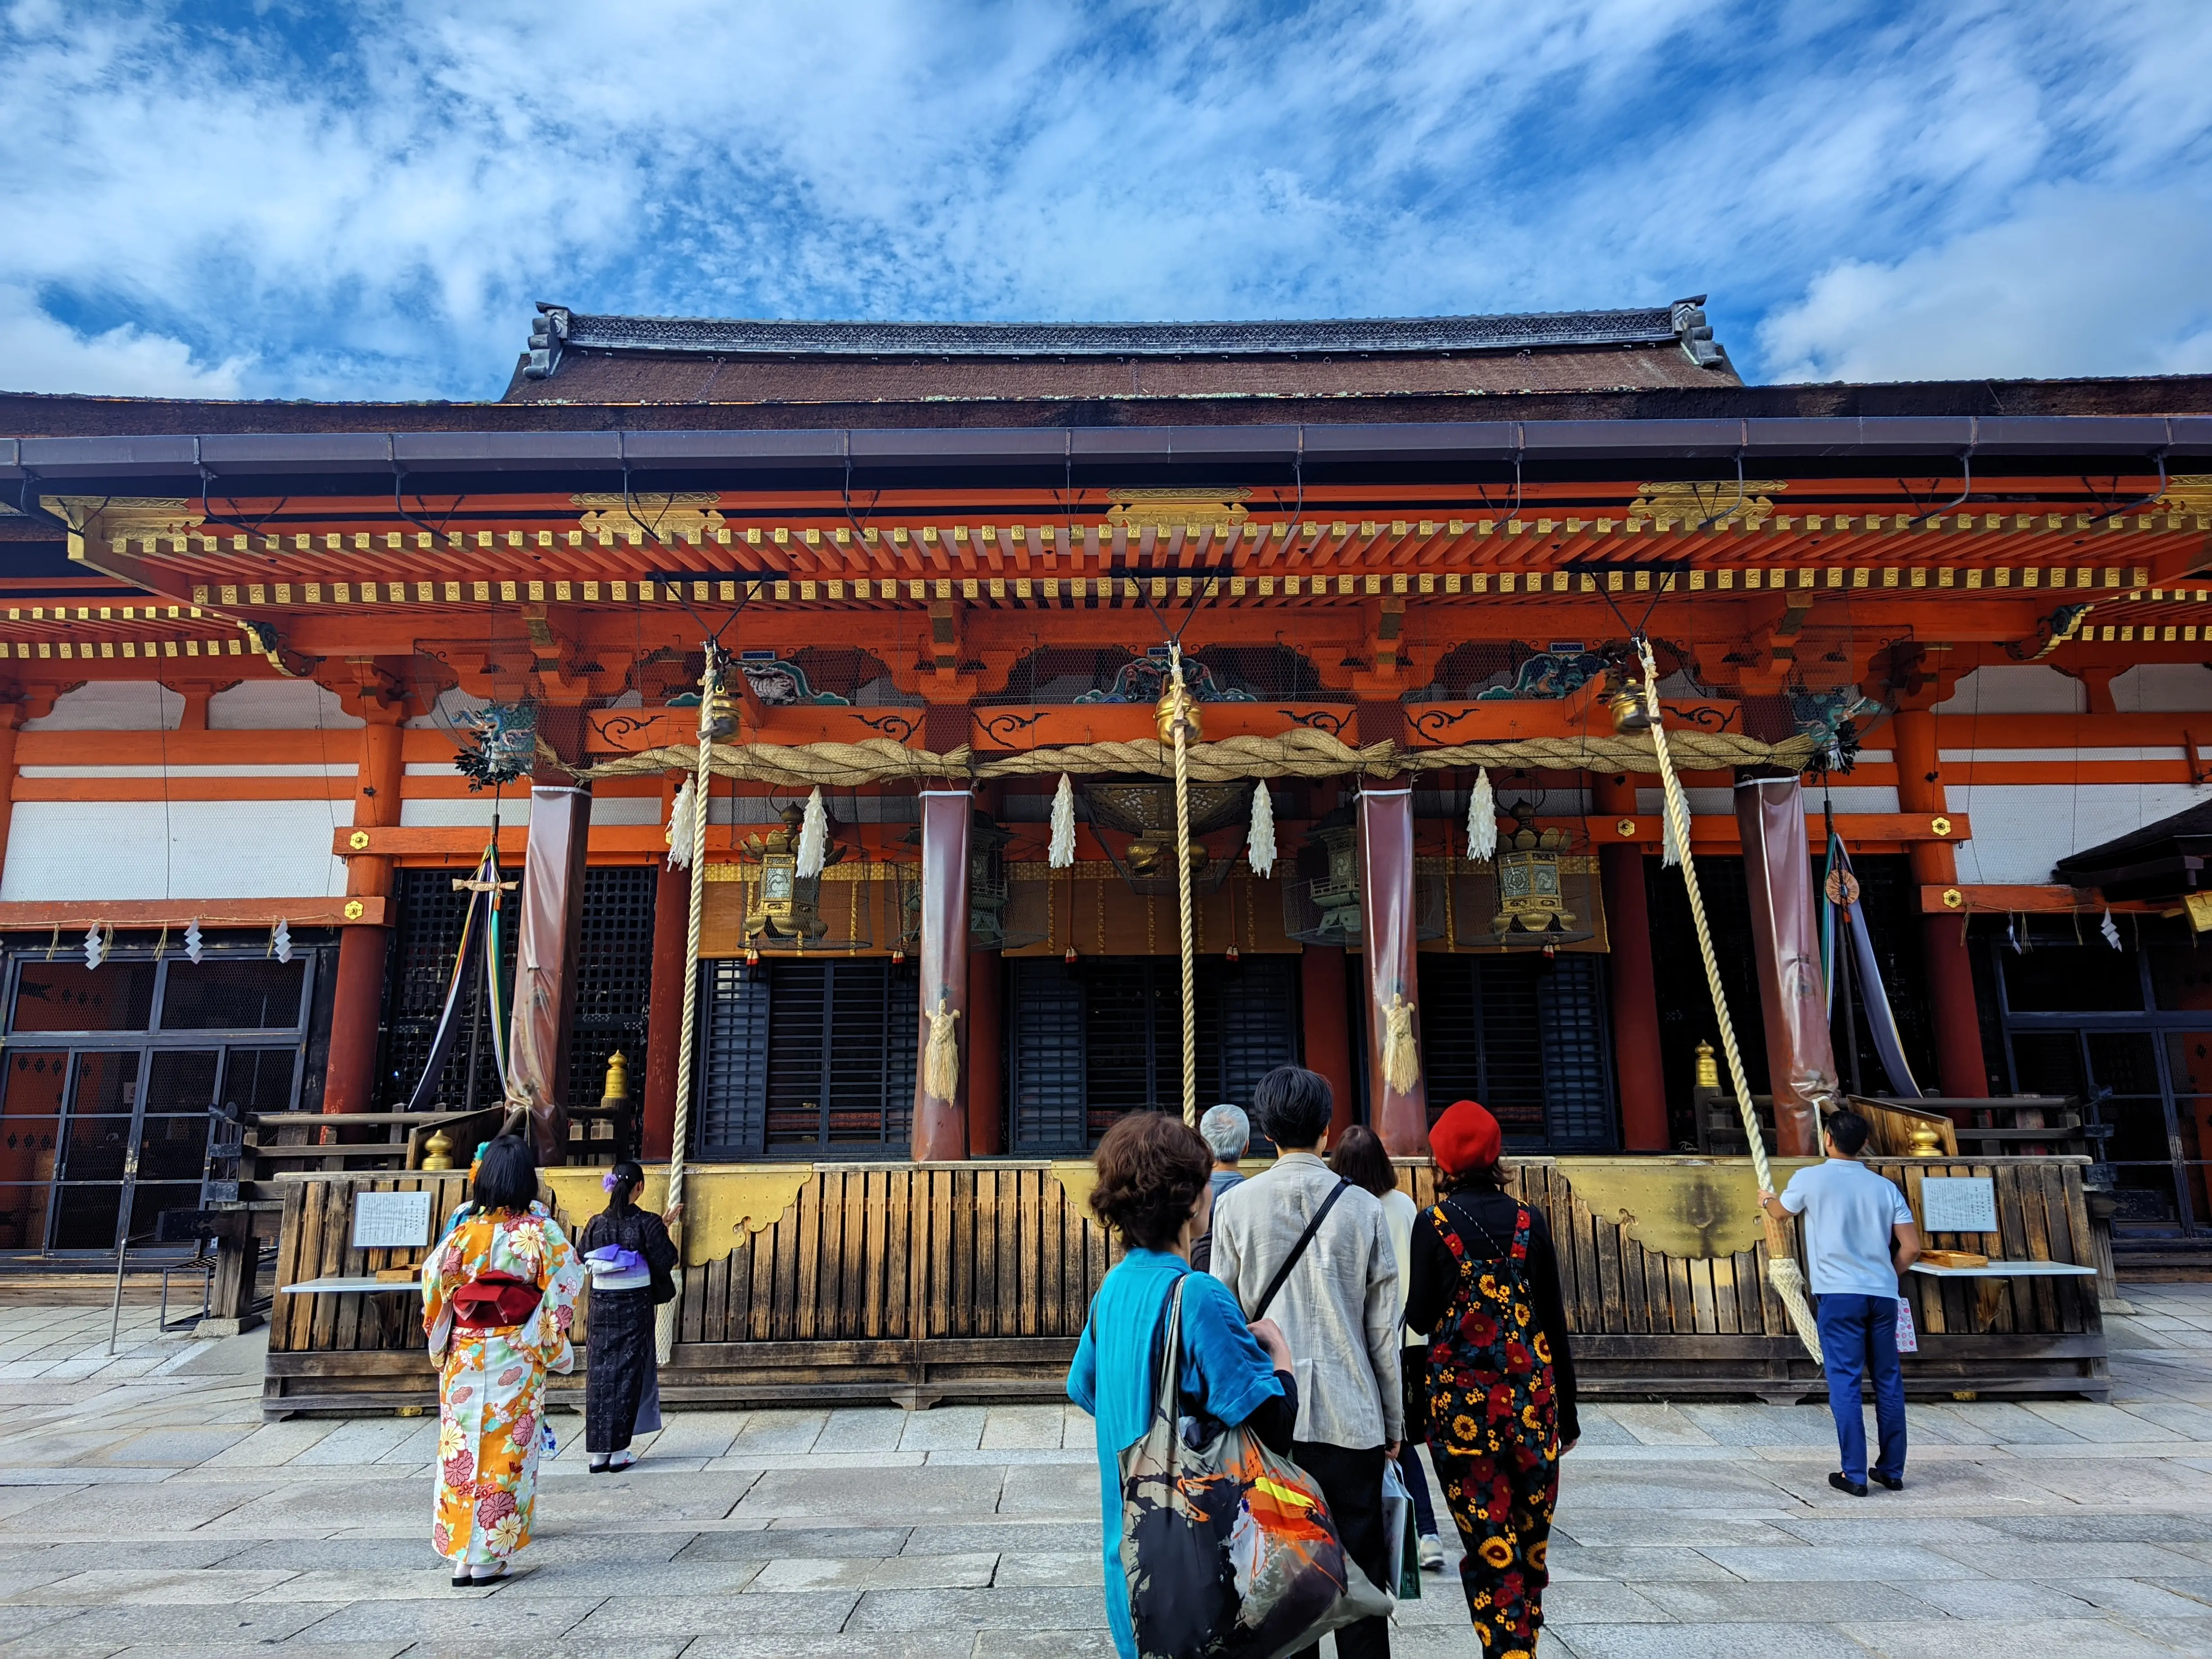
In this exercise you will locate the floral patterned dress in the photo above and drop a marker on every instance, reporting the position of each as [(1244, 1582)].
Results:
[(1494, 1434), (491, 1383)]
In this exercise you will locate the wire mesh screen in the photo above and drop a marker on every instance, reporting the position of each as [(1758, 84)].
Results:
[(1241, 673), (614, 979)]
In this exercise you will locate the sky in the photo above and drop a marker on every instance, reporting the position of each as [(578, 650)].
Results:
[(236, 199)]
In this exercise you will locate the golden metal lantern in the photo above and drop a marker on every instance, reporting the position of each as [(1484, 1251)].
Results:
[(1530, 896), (786, 907)]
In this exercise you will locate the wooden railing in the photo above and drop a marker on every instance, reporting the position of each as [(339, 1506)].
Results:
[(917, 1283)]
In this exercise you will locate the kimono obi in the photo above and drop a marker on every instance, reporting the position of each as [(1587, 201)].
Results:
[(613, 1268), (494, 1301)]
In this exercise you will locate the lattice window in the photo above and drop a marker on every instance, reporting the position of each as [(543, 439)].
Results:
[(803, 1055), (613, 990), (1527, 1037), (1105, 1037)]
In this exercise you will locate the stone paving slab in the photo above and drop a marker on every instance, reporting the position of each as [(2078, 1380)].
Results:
[(146, 1509)]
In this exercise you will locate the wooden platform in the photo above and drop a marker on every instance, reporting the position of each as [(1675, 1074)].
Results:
[(921, 1284)]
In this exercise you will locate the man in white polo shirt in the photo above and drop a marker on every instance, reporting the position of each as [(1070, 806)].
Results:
[(1859, 1239)]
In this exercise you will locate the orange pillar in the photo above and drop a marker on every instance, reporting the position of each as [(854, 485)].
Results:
[(1632, 987), (1959, 1059), (1323, 1012), (664, 1020), (986, 1067), (357, 1003)]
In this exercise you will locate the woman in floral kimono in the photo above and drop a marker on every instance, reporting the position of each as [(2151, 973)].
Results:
[(499, 1294)]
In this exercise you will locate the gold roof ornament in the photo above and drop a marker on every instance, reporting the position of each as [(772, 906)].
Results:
[(1684, 501), (1162, 509)]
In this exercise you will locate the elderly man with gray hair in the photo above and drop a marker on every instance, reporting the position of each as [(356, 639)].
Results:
[(1227, 1132)]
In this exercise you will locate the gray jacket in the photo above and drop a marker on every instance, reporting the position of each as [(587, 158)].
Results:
[(1338, 1308)]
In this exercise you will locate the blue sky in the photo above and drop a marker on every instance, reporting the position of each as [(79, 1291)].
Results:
[(295, 200)]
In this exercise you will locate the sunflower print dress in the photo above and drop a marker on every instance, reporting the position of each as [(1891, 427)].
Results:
[(491, 1383), (1493, 1432)]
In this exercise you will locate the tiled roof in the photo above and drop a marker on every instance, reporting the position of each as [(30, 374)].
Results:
[(1683, 321)]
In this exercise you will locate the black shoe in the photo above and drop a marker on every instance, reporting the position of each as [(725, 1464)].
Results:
[(1892, 1482), (1856, 1488)]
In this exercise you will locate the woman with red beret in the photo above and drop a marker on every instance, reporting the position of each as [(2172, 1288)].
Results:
[(1498, 1404)]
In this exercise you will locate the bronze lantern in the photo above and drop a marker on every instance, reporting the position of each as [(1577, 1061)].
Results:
[(1530, 896)]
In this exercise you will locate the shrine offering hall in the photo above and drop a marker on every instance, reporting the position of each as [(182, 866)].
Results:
[(754, 747)]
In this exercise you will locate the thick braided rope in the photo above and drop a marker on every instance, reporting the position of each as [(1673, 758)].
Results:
[(1181, 712), (1305, 752), (663, 1332)]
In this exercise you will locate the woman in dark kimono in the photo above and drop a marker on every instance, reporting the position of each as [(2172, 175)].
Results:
[(628, 1254)]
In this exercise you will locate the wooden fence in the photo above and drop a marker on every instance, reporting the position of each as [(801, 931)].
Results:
[(920, 1283)]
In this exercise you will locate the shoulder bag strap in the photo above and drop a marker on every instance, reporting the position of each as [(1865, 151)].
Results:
[(1268, 1295), (1472, 1220), (1166, 1396)]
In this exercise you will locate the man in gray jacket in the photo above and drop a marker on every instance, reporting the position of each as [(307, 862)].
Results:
[(1337, 1309)]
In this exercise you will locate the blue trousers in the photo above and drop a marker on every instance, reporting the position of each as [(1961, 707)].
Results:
[(1858, 1336)]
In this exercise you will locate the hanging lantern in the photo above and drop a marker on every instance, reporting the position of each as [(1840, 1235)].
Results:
[(1336, 895), (1529, 898), (987, 890), (786, 907)]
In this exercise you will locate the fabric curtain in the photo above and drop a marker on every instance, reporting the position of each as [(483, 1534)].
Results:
[(940, 1122), (1778, 869), (1396, 1091)]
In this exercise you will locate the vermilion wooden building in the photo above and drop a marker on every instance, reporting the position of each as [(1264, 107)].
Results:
[(239, 637)]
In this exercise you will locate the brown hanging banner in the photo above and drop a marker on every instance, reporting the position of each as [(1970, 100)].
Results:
[(940, 1122), (1778, 869), (1397, 1095), (545, 963)]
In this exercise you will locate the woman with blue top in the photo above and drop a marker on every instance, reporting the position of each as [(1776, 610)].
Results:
[(1153, 1191)]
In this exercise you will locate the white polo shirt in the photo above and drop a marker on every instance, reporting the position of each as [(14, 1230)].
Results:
[(1849, 1211)]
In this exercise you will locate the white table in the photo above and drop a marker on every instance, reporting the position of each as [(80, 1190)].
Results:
[(340, 1286), (1990, 1289)]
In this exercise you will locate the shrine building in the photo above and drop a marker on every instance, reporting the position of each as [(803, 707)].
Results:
[(1402, 565)]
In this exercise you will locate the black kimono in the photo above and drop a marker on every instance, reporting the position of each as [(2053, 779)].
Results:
[(620, 1365)]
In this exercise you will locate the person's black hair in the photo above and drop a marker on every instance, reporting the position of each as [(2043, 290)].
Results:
[(506, 1179), (629, 1177), (1849, 1131), (1294, 1106), (1363, 1159), (1151, 1168)]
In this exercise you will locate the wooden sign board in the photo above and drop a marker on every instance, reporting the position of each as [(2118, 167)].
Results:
[(391, 1221), (1959, 1204)]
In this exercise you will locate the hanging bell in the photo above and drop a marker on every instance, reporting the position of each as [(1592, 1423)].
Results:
[(1630, 716), (719, 717)]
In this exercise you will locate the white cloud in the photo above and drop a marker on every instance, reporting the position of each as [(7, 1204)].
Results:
[(2079, 280), (38, 354), (367, 206)]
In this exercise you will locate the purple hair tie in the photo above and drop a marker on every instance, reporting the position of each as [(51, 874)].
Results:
[(607, 1182)]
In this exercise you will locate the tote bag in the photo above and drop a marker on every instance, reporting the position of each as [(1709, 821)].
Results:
[(1230, 1550)]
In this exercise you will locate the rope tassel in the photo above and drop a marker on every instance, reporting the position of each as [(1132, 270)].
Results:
[(1783, 1273), (678, 836), (940, 1064), (1401, 1058)]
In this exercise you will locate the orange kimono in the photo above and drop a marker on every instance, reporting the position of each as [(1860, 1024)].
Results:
[(491, 1383)]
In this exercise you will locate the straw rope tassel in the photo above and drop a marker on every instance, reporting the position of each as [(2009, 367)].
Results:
[(664, 1321), (1183, 889), (1783, 1272)]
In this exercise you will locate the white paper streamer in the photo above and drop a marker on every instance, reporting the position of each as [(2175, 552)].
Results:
[(280, 941), (813, 836), (680, 824), (2110, 929), (1061, 855), (95, 946), (1260, 843), (194, 945), (1481, 820)]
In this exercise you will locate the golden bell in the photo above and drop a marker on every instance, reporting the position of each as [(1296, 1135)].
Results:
[(1629, 715), (1164, 716)]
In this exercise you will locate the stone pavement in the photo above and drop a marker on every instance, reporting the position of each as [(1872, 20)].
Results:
[(146, 1509)]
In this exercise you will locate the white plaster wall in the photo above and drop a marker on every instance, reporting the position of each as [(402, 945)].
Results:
[(2017, 688), (2021, 830), (2160, 688), (94, 850), (278, 706), (112, 706), (462, 811)]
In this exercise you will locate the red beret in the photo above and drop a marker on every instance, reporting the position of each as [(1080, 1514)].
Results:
[(1465, 1138)]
